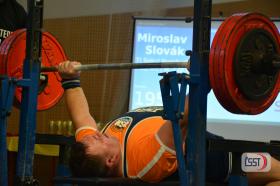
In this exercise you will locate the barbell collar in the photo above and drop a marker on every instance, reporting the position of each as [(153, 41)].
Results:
[(121, 66)]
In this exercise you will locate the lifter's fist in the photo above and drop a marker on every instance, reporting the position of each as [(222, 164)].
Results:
[(67, 69), (188, 65)]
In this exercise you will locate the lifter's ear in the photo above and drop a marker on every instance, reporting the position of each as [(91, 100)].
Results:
[(111, 161)]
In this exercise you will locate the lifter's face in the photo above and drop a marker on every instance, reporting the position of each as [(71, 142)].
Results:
[(102, 144)]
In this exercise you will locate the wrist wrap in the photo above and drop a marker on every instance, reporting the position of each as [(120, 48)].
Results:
[(70, 83)]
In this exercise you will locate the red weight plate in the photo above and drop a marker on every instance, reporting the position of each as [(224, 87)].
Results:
[(227, 103), (52, 54), (213, 61), (230, 89), (216, 63), (247, 23), (220, 71), (224, 73)]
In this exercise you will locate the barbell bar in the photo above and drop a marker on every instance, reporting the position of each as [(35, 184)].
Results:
[(121, 66)]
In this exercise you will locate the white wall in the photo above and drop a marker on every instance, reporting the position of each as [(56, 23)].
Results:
[(73, 8)]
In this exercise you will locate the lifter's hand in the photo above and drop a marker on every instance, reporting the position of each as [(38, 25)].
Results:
[(188, 65), (67, 70)]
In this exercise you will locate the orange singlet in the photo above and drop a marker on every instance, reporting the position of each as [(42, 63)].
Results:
[(144, 155)]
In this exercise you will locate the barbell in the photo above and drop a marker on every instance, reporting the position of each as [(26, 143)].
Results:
[(243, 64), (121, 66)]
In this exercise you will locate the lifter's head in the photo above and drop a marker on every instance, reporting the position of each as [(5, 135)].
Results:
[(95, 155)]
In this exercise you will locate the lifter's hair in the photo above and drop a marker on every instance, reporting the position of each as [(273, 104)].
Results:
[(84, 165)]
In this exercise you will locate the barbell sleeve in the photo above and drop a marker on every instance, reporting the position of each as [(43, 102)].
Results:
[(120, 66)]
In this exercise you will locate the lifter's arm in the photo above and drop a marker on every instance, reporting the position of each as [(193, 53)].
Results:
[(78, 108), (76, 101)]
